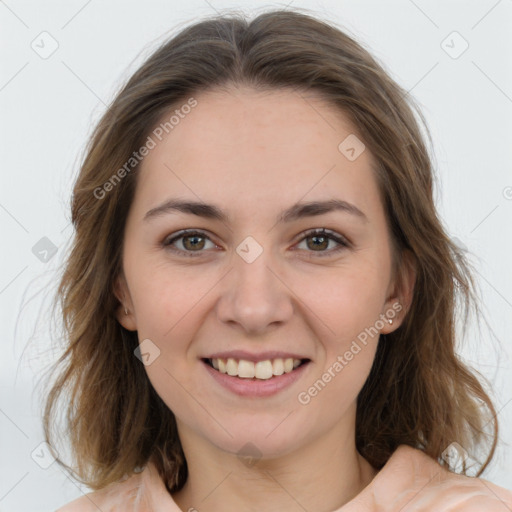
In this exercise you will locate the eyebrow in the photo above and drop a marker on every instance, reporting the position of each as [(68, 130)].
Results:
[(295, 212)]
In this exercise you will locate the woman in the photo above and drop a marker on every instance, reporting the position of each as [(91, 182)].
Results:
[(261, 299)]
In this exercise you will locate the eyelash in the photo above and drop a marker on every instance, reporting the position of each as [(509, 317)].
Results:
[(330, 235)]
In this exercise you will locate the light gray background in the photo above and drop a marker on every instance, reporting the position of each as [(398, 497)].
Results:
[(49, 106)]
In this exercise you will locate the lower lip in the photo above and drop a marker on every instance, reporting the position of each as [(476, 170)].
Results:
[(256, 387)]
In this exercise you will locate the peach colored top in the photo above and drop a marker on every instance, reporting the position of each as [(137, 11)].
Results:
[(410, 477)]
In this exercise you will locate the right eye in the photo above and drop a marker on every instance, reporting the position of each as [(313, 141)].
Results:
[(192, 242)]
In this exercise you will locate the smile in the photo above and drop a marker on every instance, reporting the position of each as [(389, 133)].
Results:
[(255, 379), (262, 370)]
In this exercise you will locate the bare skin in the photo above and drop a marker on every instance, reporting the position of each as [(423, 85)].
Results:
[(255, 154)]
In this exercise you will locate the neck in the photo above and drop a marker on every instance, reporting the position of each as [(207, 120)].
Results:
[(322, 476)]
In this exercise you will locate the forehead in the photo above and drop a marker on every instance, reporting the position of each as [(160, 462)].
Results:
[(266, 147)]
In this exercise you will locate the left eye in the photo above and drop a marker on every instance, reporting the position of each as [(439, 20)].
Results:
[(193, 242), (320, 240)]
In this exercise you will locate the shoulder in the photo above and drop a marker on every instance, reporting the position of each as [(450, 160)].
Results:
[(141, 492), (413, 480), (423, 468), (127, 495)]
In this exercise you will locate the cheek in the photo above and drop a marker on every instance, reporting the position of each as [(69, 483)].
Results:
[(351, 312), (345, 300), (348, 302), (164, 296), (168, 307)]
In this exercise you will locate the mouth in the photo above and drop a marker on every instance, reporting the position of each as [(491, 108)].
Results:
[(261, 370)]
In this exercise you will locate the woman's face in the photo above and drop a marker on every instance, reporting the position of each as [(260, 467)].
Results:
[(250, 288)]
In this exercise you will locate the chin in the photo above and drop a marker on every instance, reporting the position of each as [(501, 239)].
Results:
[(269, 438)]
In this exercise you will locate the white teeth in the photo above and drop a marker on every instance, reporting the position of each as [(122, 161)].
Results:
[(232, 367), (288, 365), (278, 367), (261, 370), (246, 369)]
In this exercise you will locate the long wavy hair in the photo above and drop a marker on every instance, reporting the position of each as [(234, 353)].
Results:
[(418, 392)]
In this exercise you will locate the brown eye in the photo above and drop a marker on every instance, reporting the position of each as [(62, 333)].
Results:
[(192, 242), (318, 240), (189, 243)]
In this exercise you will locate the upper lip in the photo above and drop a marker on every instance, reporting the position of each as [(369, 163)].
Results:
[(248, 356)]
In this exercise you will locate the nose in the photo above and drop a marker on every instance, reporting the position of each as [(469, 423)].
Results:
[(254, 296)]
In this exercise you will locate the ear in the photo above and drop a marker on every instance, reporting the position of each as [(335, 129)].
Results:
[(402, 291), (125, 312)]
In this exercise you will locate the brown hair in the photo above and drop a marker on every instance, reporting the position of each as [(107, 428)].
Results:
[(418, 392)]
